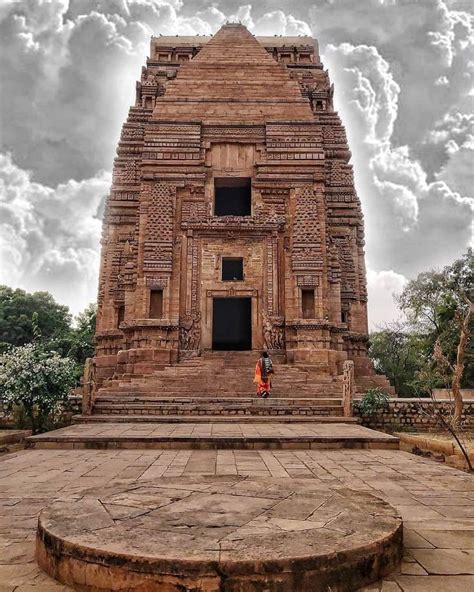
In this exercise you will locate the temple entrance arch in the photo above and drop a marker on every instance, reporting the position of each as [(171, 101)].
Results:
[(232, 324)]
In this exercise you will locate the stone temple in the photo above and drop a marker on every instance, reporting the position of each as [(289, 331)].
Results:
[(232, 226)]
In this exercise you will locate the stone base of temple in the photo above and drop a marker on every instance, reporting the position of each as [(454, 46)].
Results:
[(213, 534), (218, 384), (232, 434)]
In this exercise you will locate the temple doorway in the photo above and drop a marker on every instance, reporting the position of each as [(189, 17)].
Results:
[(232, 324)]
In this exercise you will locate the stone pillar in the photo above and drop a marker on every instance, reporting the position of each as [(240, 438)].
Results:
[(348, 387)]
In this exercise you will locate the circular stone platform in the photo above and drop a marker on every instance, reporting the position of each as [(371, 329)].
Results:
[(219, 535)]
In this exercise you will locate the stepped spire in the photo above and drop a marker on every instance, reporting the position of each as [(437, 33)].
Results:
[(233, 79)]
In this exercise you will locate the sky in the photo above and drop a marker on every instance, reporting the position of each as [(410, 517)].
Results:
[(403, 73)]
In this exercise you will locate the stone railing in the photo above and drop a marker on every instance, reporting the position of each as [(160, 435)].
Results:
[(415, 414)]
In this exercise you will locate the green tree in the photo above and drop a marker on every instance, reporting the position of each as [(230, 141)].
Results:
[(37, 380), (395, 352), (82, 344), (17, 308), (435, 303)]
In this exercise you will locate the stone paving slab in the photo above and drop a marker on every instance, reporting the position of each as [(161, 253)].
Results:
[(214, 435), (31, 480), (13, 436), (207, 533)]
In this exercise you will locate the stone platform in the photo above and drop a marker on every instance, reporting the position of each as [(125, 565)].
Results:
[(228, 435), (227, 534)]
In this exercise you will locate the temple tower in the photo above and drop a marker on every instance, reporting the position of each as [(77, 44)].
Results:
[(232, 223)]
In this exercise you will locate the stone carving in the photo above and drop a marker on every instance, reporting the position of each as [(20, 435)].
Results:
[(340, 174), (157, 281), (308, 281), (348, 387), (274, 332), (190, 333), (88, 386), (159, 233), (307, 246)]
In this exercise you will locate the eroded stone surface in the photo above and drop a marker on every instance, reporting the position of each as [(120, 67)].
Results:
[(31, 480), (228, 533)]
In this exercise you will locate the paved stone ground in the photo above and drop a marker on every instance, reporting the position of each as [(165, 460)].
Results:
[(435, 501), (211, 434)]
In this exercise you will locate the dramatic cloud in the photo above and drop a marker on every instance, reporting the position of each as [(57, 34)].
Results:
[(412, 223), (403, 78), (49, 238)]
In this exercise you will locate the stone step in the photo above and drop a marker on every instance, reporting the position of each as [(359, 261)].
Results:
[(335, 410), (277, 402), (213, 435), (213, 419), (169, 394)]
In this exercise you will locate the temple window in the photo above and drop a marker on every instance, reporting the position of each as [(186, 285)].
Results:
[(232, 196), (156, 304), (344, 316), (307, 303), (232, 269), (120, 315)]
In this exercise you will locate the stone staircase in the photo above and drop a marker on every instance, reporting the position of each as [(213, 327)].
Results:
[(218, 387)]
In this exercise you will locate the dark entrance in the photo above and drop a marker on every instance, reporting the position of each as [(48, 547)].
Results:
[(232, 324)]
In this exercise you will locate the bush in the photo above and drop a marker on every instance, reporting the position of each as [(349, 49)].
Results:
[(36, 381), (372, 402)]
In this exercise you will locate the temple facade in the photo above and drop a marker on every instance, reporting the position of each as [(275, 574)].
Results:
[(232, 223)]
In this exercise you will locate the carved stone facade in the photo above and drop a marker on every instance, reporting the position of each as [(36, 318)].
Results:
[(229, 107)]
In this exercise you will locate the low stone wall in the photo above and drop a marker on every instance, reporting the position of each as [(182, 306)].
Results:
[(11, 420), (413, 414)]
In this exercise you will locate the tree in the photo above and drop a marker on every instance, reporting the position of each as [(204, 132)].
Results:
[(37, 380), (396, 352), (16, 317), (435, 302), (82, 343)]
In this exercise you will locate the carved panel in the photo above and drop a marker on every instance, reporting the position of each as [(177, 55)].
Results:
[(194, 211), (274, 332), (308, 281), (345, 249), (340, 174), (157, 281), (307, 247), (159, 228)]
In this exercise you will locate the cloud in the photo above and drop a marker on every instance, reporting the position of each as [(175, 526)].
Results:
[(278, 23), (382, 288), (49, 238), (412, 223), (403, 87)]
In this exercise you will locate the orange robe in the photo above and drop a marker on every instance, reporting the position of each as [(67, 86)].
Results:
[(262, 385)]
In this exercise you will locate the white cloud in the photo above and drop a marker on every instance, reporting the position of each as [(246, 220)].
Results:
[(49, 238), (411, 223), (382, 288), (279, 23)]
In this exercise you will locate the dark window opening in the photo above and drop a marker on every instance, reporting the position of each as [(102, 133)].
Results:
[(232, 196), (156, 304), (344, 316), (232, 269), (307, 304), (232, 324), (120, 314)]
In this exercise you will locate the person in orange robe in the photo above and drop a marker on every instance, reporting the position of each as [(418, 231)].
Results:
[(262, 377)]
